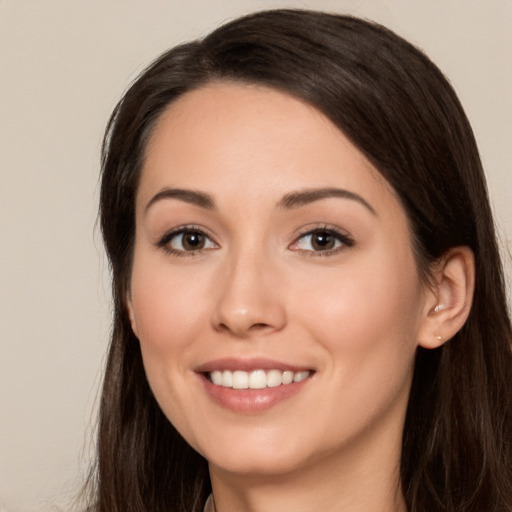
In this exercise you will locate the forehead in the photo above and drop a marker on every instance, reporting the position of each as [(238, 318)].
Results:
[(231, 137)]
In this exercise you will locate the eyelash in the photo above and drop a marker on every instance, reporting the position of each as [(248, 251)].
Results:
[(164, 242), (344, 240)]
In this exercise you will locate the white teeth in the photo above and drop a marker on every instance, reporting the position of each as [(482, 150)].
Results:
[(287, 377), (257, 379), (240, 380), (216, 378), (227, 379), (274, 378), (300, 376)]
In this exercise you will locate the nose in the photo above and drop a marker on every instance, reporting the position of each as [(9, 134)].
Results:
[(250, 299)]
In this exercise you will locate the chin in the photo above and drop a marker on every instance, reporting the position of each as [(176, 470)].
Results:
[(257, 453), (256, 464)]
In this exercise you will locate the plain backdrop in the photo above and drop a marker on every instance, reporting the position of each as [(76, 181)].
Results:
[(63, 66)]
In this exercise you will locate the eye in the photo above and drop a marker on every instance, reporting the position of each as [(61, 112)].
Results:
[(186, 240), (322, 240)]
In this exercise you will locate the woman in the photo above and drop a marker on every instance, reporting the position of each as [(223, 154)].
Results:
[(309, 303)]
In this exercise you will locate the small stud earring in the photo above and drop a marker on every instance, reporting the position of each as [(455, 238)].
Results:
[(439, 307), (439, 337)]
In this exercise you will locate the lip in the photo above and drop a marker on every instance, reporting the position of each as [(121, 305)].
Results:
[(248, 365), (250, 401)]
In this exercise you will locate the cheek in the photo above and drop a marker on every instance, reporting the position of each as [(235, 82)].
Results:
[(169, 314), (367, 312), (164, 304), (365, 322)]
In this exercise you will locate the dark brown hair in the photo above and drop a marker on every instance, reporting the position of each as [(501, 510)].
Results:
[(399, 110)]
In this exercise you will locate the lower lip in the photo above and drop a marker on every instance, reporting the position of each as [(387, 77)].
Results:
[(251, 400)]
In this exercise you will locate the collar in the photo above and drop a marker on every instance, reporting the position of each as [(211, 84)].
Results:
[(209, 506)]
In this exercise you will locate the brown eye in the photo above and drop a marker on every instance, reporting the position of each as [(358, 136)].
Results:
[(322, 241), (186, 240), (192, 241)]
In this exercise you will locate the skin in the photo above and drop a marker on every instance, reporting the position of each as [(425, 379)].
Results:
[(259, 288)]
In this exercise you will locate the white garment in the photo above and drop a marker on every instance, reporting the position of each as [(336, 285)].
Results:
[(209, 506)]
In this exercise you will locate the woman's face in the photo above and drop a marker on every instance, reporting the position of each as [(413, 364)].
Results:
[(268, 249)]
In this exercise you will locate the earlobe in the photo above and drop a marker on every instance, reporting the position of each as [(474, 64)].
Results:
[(131, 315), (449, 300)]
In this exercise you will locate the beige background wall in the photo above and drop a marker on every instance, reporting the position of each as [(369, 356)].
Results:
[(63, 65)]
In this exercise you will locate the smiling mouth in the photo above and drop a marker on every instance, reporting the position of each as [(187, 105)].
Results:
[(256, 379)]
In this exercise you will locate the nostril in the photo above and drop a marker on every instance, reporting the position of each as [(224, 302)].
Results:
[(256, 327), (259, 326)]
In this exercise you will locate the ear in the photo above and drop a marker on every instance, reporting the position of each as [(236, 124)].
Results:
[(131, 314), (449, 299)]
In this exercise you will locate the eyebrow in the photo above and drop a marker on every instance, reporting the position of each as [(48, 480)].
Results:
[(303, 197), (288, 202), (188, 196)]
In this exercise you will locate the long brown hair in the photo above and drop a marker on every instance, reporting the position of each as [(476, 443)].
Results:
[(399, 110)]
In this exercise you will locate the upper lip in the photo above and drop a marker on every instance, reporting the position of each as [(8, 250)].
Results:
[(248, 365)]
